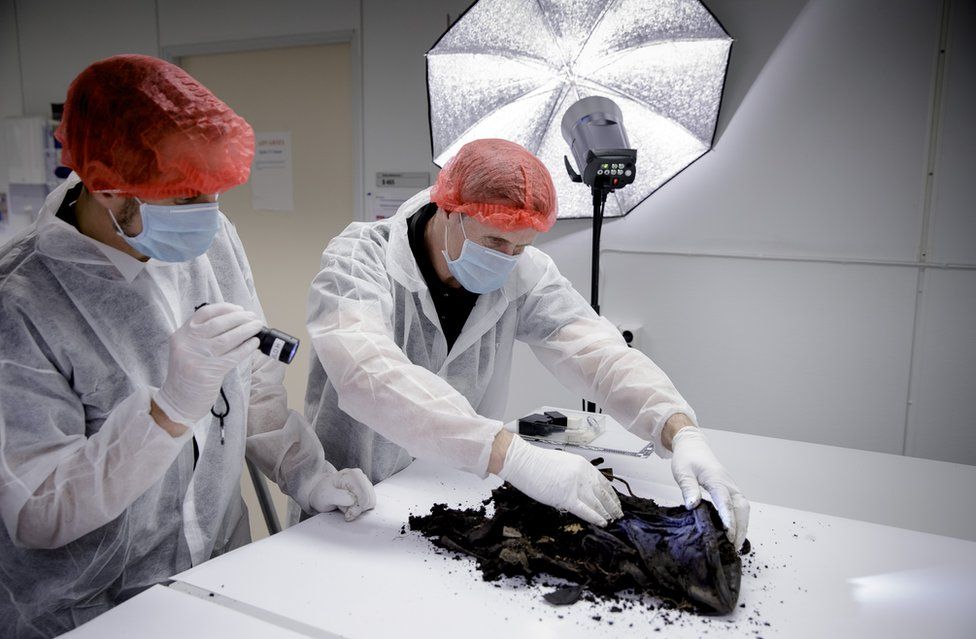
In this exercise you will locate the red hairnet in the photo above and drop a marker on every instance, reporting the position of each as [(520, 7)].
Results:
[(138, 125), (498, 183)]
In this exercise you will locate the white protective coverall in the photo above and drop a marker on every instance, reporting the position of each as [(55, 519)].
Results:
[(98, 502), (384, 388)]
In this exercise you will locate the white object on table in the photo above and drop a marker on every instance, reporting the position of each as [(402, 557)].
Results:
[(614, 438), (809, 575)]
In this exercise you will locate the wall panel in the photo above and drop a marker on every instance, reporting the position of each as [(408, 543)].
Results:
[(58, 39), (942, 424), (954, 202)]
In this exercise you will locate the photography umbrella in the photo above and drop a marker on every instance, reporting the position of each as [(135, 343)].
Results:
[(511, 68)]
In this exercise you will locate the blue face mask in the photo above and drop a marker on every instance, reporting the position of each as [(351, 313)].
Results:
[(175, 233), (479, 269)]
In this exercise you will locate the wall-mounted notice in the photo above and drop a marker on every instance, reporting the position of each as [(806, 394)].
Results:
[(416, 180), (384, 204), (392, 190), (271, 177)]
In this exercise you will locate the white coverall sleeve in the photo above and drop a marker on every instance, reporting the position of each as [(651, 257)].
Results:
[(587, 354), (280, 441), (56, 483), (351, 324)]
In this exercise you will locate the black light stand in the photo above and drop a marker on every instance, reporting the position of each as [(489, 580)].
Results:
[(599, 201), (602, 182)]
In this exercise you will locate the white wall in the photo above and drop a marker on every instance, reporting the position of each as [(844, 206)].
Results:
[(941, 417), (396, 35), (952, 239), (776, 279), (11, 98), (59, 38), (819, 177), (190, 22)]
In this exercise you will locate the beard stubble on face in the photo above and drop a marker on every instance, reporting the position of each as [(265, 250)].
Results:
[(128, 216)]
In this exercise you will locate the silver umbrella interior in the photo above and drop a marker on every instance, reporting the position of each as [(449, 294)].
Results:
[(510, 69)]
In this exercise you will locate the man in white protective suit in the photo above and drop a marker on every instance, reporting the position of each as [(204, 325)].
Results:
[(126, 414), (414, 318)]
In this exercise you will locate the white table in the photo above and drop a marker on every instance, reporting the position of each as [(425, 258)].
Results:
[(810, 575), (165, 613)]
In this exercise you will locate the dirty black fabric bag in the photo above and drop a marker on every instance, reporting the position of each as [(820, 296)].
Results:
[(669, 552)]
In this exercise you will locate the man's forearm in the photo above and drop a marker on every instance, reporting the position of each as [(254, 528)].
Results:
[(175, 429), (99, 477), (499, 449), (675, 423)]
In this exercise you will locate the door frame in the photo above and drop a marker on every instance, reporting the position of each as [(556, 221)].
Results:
[(353, 37)]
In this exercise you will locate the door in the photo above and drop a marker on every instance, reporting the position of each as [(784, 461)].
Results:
[(305, 91)]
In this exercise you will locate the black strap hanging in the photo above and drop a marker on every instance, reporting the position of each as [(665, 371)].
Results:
[(222, 415)]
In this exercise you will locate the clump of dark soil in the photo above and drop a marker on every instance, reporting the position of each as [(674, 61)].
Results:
[(668, 552)]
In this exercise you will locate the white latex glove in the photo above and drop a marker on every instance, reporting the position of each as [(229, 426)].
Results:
[(561, 480), (348, 490), (216, 339), (694, 467)]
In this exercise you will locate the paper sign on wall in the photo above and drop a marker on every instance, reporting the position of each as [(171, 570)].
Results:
[(385, 204), (271, 176)]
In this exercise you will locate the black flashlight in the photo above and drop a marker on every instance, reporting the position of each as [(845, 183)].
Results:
[(278, 345), (274, 343)]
